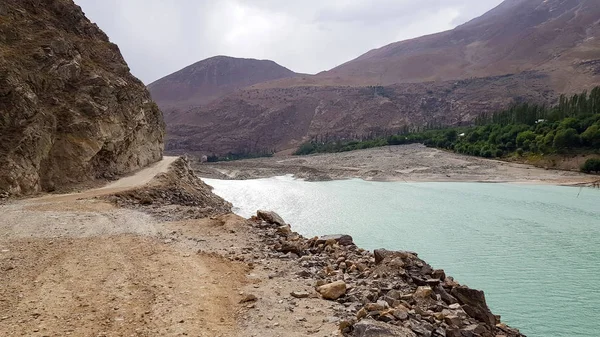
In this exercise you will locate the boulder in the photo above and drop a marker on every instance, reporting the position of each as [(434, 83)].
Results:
[(284, 230), (423, 292), (332, 291), (249, 298), (380, 254), (372, 328), (270, 217), (341, 239), (300, 294), (474, 304)]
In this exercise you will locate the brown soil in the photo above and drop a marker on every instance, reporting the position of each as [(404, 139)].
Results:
[(123, 285), (75, 265)]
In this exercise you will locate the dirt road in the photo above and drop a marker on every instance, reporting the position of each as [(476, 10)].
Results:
[(70, 265), (75, 265)]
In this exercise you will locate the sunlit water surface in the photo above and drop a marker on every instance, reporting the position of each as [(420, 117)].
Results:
[(534, 249)]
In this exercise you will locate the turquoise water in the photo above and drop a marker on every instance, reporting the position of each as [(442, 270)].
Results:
[(534, 250)]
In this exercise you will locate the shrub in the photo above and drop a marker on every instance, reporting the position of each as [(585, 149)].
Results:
[(591, 165), (520, 152), (306, 148)]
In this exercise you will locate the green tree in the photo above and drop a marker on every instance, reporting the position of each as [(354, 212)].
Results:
[(566, 138), (569, 123), (525, 137), (591, 136)]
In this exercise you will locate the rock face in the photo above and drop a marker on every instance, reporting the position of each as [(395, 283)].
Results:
[(70, 109), (521, 51)]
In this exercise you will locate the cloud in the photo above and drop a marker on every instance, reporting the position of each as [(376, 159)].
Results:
[(159, 37)]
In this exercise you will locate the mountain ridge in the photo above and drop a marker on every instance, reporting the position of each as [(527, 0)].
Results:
[(522, 50), (211, 78)]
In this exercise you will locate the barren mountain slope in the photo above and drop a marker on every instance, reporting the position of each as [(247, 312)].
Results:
[(212, 78), (70, 109), (559, 37), (523, 50), (255, 121)]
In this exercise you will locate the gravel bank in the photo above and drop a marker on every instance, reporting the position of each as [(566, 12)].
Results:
[(413, 163)]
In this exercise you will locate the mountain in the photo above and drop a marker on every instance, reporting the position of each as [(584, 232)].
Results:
[(555, 36), (71, 110), (212, 78), (522, 50)]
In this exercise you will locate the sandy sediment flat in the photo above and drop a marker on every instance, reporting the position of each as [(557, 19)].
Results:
[(414, 163)]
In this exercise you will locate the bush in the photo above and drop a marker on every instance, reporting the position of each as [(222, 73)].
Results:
[(520, 152), (591, 165), (306, 148)]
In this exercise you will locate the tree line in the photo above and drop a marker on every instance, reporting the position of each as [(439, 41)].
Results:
[(571, 126)]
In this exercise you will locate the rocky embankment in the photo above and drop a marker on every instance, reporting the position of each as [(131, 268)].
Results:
[(177, 194), (384, 293), (190, 267), (380, 293), (71, 110)]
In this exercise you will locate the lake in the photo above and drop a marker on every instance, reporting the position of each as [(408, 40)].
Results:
[(533, 249)]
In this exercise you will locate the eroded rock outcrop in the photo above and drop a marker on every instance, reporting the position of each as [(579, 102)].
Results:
[(70, 111)]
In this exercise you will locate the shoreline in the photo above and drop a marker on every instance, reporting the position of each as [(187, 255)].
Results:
[(407, 286), (277, 282), (403, 163), (562, 183)]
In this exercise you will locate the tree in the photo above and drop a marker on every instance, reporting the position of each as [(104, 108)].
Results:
[(569, 123), (566, 138), (525, 137), (591, 136)]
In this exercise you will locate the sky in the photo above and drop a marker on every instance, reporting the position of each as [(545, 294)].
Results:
[(159, 37)]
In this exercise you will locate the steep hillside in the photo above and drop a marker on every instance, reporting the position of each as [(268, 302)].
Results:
[(254, 121), (557, 36), (212, 78), (70, 109), (522, 50)]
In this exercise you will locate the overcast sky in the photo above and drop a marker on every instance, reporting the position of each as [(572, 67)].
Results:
[(158, 37)]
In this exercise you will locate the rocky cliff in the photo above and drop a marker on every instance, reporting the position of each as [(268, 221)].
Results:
[(70, 109)]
